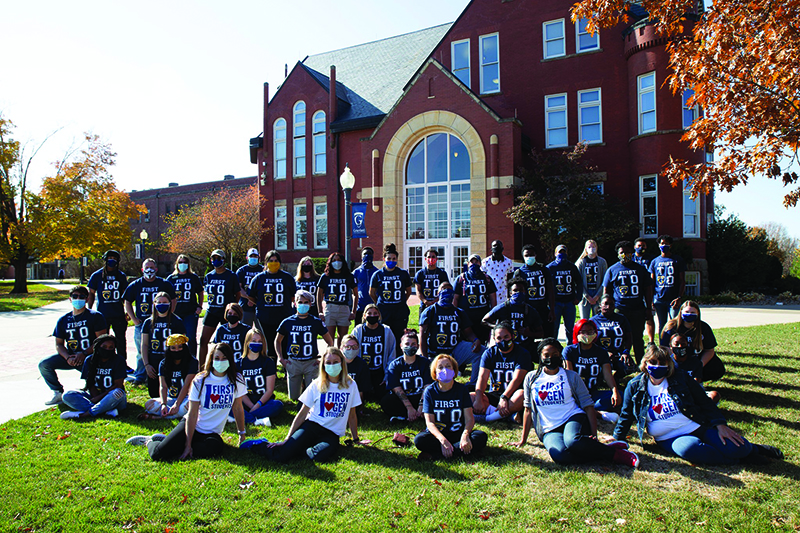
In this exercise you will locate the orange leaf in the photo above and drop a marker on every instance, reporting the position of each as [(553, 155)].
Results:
[(436, 481), (184, 499)]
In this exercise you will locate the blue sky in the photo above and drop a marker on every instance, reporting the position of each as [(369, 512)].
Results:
[(176, 87)]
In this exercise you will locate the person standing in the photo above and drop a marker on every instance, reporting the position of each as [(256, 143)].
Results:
[(428, 279), (222, 288), (307, 279), (669, 277), (246, 273), (639, 251), (541, 292), (390, 288), (189, 292), (106, 286), (593, 269), (568, 290), (337, 296), (156, 329), (614, 335), (476, 294), (273, 291), (363, 276), (499, 268)]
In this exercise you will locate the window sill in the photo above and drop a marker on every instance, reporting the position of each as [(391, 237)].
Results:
[(570, 56), (571, 146), (652, 133), (496, 93), (299, 177)]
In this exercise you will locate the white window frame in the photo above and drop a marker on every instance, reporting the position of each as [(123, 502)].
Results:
[(640, 93), (298, 168), (692, 283), (642, 196), (482, 38), (563, 38), (297, 230), (694, 109), (578, 34), (687, 197), (321, 216), (278, 125), (547, 111), (468, 68), (281, 214), (581, 106), (319, 118)]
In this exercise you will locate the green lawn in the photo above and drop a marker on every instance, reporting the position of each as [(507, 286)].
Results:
[(80, 476), (38, 295)]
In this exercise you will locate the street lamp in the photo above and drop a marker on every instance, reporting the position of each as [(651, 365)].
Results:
[(347, 181), (143, 236)]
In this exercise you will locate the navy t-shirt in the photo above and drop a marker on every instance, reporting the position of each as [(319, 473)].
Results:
[(629, 283), (176, 374), (502, 366), (430, 280), (666, 271), (310, 285), (611, 332), (274, 294), (567, 280), (538, 277), (107, 372), (473, 293), (109, 291), (359, 372), (521, 315), (232, 336), (641, 260), (412, 378), (187, 291), (255, 374), (245, 275), (220, 290), (447, 407), (373, 346), (141, 292), (709, 340), (591, 269), (79, 331), (300, 337), (337, 288), (587, 363), (692, 366), (363, 277), (443, 327), (391, 286), (158, 332)]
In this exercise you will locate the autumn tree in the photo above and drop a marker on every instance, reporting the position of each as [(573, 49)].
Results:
[(780, 244), (559, 199), (740, 57), (227, 219)]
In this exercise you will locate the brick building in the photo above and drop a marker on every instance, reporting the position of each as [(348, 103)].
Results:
[(435, 123)]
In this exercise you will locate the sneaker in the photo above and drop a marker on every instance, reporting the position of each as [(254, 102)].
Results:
[(254, 442), (609, 416), (157, 437), (618, 444), (138, 440), (129, 370), (624, 457), (112, 413), (231, 420), (769, 451), (263, 422), (66, 415), (55, 400), (398, 420)]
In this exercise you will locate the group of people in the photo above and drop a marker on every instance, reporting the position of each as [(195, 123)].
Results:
[(501, 322)]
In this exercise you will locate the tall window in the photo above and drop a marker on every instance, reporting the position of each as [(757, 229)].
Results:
[(554, 40), (690, 113), (281, 230), (647, 102), (279, 140), (555, 110), (459, 52), (691, 212), (490, 63), (648, 195), (320, 225), (319, 142), (692, 279), (585, 42), (437, 189), (299, 135), (590, 116), (300, 227)]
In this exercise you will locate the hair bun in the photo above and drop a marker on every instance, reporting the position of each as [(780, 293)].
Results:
[(390, 248)]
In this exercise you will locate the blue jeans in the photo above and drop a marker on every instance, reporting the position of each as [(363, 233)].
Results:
[(464, 355), (190, 323), (704, 446), (602, 400), (571, 443), (81, 401), (587, 310), (48, 367), (270, 408), (567, 311), (140, 374), (664, 312)]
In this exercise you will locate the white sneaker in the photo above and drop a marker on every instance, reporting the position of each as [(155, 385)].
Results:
[(263, 422), (138, 440), (157, 437), (66, 415), (112, 413), (609, 416), (55, 400), (231, 420)]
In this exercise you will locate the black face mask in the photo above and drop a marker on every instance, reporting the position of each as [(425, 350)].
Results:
[(232, 319), (177, 356), (307, 268), (680, 353), (372, 320), (505, 345), (552, 363), (105, 353)]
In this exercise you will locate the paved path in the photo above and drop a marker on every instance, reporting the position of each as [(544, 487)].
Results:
[(27, 338)]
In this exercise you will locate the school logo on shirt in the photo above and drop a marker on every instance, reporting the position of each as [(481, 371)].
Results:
[(623, 290), (333, 404), (294, 349), (106, 295), (218, 396), (72, 345), (472, 300), (387, 295), (268, 298), (154, 344), (441, 339), (662, 407), (144, 307), (550, 393), (605, 342)]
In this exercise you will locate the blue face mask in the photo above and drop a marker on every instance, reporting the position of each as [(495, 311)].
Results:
[(183, 267), (78, 304), (337, 265), (664, 248), (658, 371), (162, 308), (562, 256), (689, 317), (302, 309), (366, 260), (255, 347), (639, 250), (334, 369), (111, 263), (252, 261), (517, 298), (474, 269), (530, 261), (391, 264), (446, 297), (216, 263)]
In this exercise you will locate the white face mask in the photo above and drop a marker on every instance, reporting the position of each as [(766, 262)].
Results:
[(591, 250), (221, 366)]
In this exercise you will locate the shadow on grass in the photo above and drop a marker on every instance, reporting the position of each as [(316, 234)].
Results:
[(730, 380), (726, 355)]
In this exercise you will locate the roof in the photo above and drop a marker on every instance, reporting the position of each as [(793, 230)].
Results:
[(371, 76)]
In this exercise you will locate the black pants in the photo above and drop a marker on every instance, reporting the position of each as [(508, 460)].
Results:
[(310, 441), (270, 331), (481, 331), (392, 405), (203, 444), (120, 326), (377, 376), (426, 442), (637, 318), (396, 317), (154, 385)]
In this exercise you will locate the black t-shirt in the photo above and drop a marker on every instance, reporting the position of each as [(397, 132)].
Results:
[(106, 374), (337, 288), (474, 293), (520, 315), (176, 374), (447, 406), (220, 290), (443, 327), (255, 374), (359, 372), (187, 291), (109, 290)]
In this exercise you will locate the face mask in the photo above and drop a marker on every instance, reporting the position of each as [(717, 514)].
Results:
[(408, 351), (112, 263), (183, 267), (221, 366), (333, 370), (104, 353), (445, 375), (255, 347), (562, 256), (680, 353), (391, 264), (178, 354), (505, 345), (366, 260), (517, 298), (216, 263), (162, 308), (149, 272), (688, 317), (273, 267), (78, 304), (664, 248), (552, 363), (591, 250), (583, 338), (350, 354), (639, 250), (373, 320), (497, 250), (474, 269), (530, 260), (446, 297), (625, 258), (307, 268), (252, 261), (302, 309), (232, 319), (337, 265), (658, 371)]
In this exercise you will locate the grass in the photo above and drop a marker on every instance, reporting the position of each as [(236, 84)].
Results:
[(38, 295), (80, 476)]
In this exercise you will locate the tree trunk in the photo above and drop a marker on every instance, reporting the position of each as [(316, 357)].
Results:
[(20, 263)]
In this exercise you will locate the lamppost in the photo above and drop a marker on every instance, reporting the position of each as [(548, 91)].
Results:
[(347, 181), (143, 236)]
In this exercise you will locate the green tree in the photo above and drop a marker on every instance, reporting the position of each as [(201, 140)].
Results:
[(559, 199)]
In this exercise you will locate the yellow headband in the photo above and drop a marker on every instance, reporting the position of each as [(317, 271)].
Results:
[(177, 340)]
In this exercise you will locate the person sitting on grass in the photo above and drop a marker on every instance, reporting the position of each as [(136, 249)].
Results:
[(558, 406), (176, 372), (447, 407), (329, 404), (675, 410), (700, 337), (259, 373), (406, 378), (378, 345), (104, 372), (215, 392)]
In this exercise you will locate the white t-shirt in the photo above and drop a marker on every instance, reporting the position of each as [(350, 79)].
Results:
[(216, 400), (553, 398), (331, 409), (664, 419), (498, 271)]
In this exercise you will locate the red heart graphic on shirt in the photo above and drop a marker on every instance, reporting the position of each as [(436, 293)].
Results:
[(542, 394), (658, 408), (329, 405), (214, 398)]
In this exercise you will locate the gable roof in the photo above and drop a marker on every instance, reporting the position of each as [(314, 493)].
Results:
[(371, 77)]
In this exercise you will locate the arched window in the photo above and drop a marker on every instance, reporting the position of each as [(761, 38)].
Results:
[(299, 135), (318, 132), (279, 150)]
